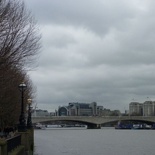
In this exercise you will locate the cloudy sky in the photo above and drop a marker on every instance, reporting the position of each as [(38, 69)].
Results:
[(95, 50)]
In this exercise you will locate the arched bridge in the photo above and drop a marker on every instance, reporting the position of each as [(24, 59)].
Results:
[(93, 122)]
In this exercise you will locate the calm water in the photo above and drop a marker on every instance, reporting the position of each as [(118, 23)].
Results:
[(94, 142)]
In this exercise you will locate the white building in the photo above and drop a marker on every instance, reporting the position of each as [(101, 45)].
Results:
[(149, 108), (136, 108), (142, 109)]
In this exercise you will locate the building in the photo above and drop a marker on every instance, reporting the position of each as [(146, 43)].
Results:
[(40, 113), (142, 109), (63, 111), (108, 112), (149, 108), (80, 109), (99, 110), (136, 109), (85, 109)]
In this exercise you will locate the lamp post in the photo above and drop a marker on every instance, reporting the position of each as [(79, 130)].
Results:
[(77, 110), (29, 121), (22, 123)]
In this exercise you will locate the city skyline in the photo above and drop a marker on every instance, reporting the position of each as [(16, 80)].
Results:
[(126, 111)]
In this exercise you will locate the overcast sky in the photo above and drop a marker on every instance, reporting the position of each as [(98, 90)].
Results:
[(95, 50)]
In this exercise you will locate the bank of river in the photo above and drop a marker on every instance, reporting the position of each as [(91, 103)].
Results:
[(94, 142)]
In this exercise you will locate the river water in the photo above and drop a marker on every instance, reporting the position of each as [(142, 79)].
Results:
[(107, 141)]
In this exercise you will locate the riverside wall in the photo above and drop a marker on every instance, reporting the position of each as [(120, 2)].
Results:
[(25, 148)]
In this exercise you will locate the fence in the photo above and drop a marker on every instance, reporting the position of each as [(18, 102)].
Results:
[(13, 143), (20, 144)]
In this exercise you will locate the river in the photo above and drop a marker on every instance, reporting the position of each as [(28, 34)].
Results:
[(107, 141)]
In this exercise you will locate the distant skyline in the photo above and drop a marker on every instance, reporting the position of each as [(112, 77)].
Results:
[(100, 51)]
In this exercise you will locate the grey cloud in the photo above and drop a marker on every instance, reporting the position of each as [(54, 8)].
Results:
[(99, 51), (98, 16)]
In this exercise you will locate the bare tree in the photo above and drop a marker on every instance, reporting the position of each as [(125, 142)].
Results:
[(19, 46), (19, 39)]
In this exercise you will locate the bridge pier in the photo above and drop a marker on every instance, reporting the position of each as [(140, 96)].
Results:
[(94, 126)]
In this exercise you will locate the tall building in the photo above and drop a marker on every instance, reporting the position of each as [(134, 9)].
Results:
[(136, 108), (149, 108), (142, 109)]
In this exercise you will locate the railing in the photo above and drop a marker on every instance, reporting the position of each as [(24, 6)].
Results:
[(13, 142)]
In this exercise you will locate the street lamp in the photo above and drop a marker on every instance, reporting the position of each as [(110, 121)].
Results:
[(77, 110), (29, 121), (22, 123)]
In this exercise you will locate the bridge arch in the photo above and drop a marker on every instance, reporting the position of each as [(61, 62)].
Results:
[(90, 125)]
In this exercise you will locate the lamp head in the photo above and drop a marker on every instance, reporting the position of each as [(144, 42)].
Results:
[(29, 101), (22, 86)]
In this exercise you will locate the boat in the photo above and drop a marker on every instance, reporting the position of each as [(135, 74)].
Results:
[(53, 126), (153, 126), (123, 126), (142, 126), (39, 126), (65, 126), (133, 126)]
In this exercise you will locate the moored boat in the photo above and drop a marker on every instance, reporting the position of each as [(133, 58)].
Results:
[(39, 126), (65, 126), (121, 125), (134, 126), (142, 126)]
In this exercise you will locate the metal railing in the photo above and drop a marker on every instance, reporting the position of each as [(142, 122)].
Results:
[(13, 142)]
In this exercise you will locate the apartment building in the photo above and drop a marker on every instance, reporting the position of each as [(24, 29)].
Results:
[(149, 108), (136, 109), (142, 109)]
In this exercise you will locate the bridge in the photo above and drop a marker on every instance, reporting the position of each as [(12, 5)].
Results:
[(93, 121)]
